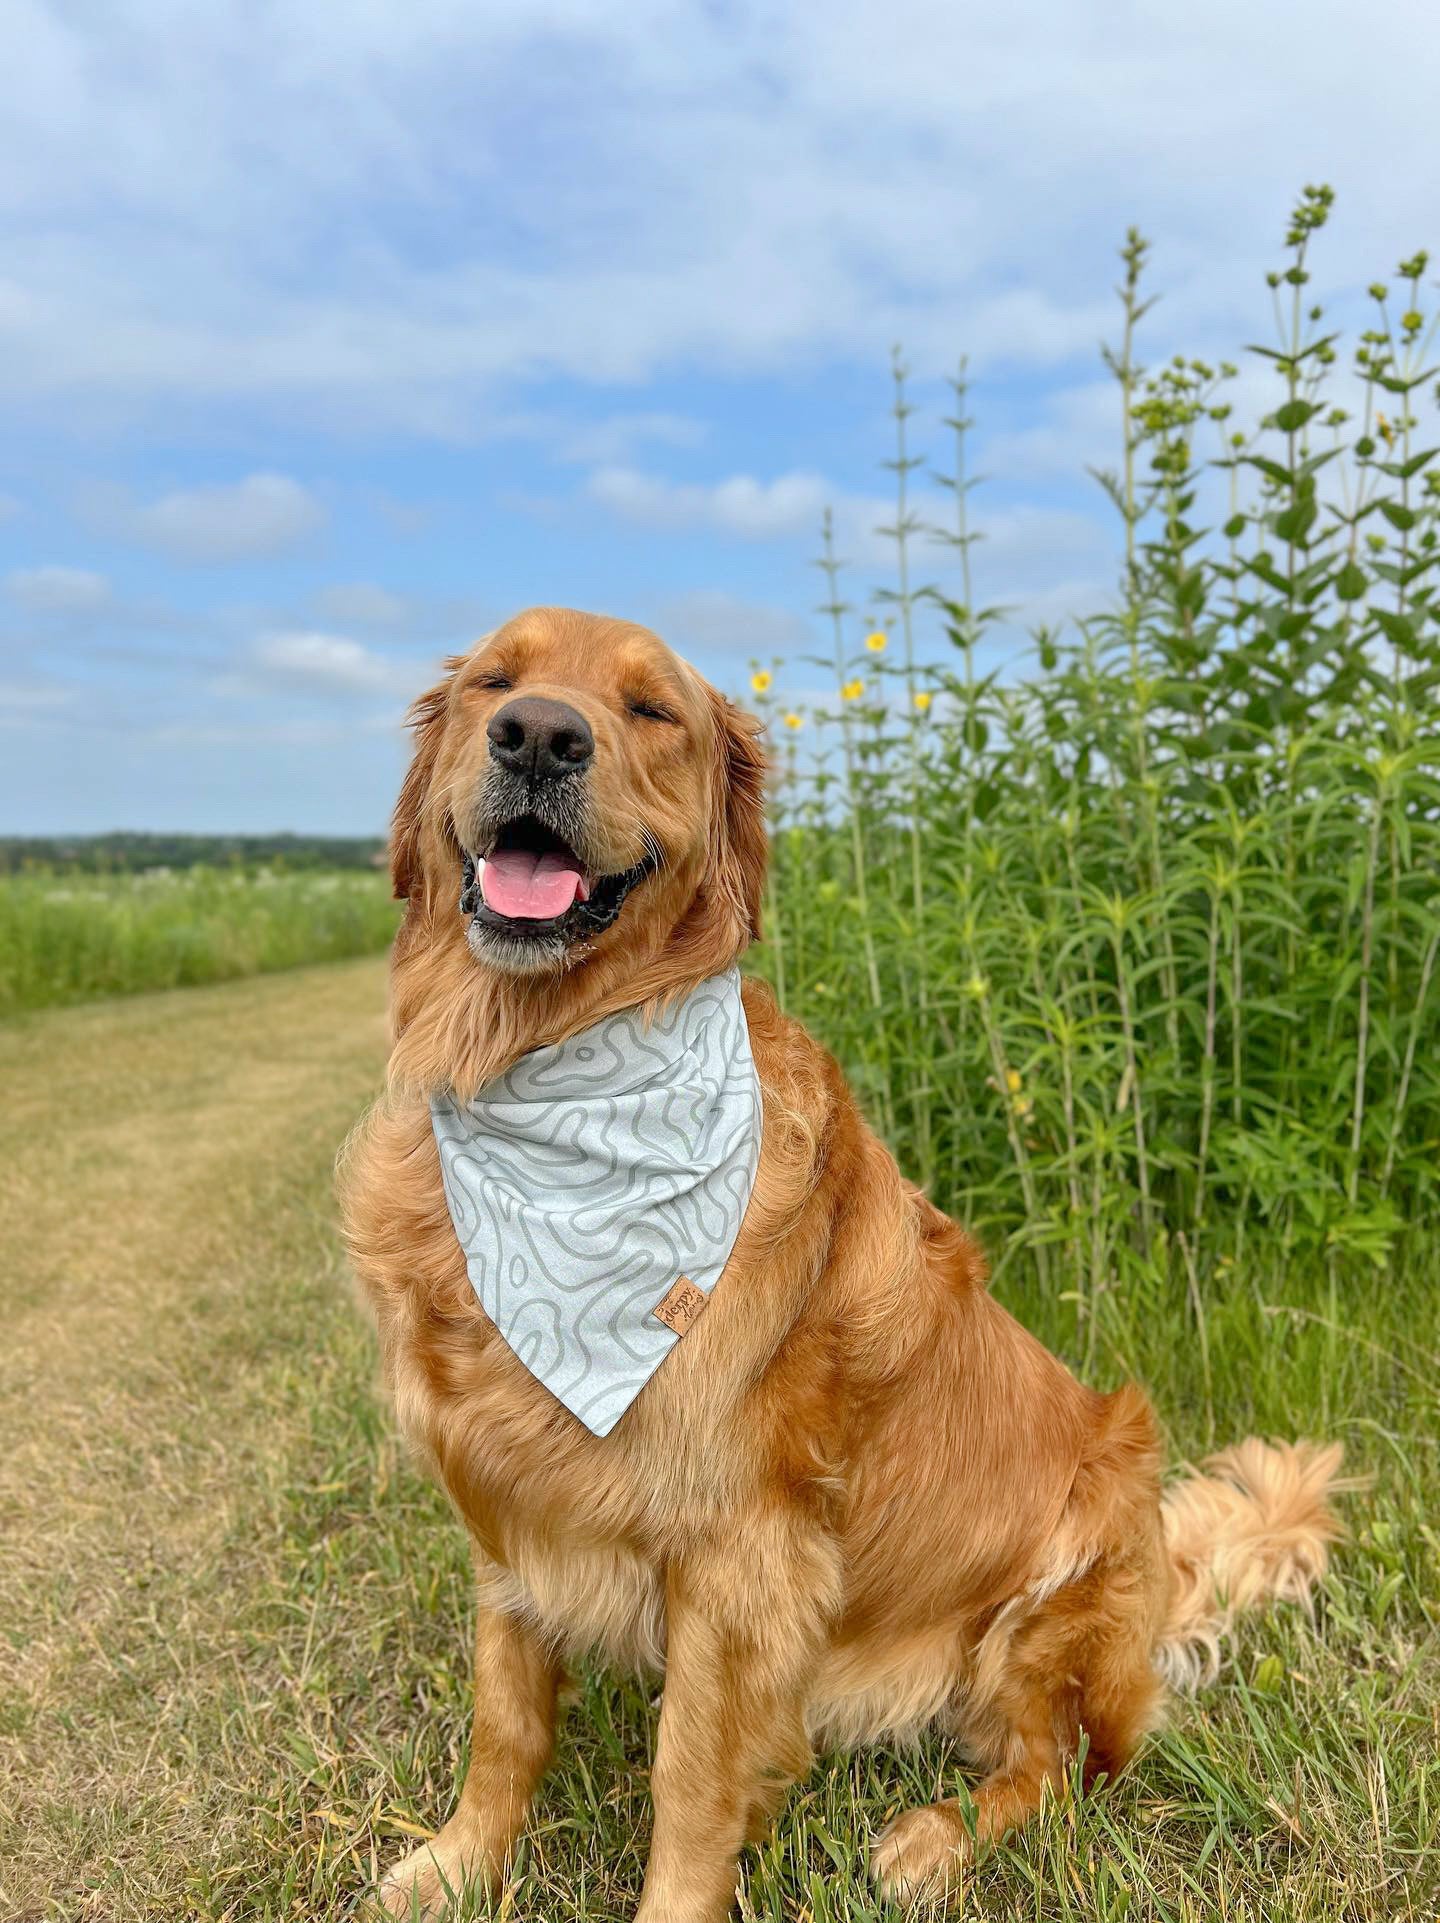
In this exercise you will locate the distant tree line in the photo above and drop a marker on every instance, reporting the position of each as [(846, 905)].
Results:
[(125, 852)]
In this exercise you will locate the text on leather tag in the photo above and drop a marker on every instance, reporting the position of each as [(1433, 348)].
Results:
[(679, 1309)]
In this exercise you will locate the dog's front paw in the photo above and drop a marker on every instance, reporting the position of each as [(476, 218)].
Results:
[(446, 1877), (923, 1853)]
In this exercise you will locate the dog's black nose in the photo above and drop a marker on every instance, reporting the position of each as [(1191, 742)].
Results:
[(540, 739)]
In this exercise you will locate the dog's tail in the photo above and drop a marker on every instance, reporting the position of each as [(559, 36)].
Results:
[(1257, 1525)]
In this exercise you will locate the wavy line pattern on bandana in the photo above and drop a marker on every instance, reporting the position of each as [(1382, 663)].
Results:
[(589, 1178)]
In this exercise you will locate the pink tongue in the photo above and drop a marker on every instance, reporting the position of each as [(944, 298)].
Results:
[(529, 887)]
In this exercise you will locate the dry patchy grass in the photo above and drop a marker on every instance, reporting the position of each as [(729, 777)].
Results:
[(233, 1622)]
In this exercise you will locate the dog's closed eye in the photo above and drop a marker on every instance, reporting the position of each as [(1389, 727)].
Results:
[(646, 710)]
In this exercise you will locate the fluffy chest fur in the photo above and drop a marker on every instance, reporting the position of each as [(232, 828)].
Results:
[(579, 1529), (812, 1386)]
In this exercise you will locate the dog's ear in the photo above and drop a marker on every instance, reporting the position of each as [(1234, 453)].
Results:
[(426, 719), (742, 853)]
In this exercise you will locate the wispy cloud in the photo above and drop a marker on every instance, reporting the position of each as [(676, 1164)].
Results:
[(718, 628), (738, 504), (816, 202), (58, 590), (22, 702), (532, 364), (245, 520), (327, 664), (615, 439), (362, 603)]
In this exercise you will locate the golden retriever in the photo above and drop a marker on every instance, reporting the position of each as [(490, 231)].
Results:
[(858, 1499)]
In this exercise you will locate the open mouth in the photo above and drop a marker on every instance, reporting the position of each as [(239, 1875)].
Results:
[(530, 874), (532, 883)]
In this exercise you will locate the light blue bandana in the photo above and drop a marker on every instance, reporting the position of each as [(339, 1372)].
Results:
[(597, 1189)]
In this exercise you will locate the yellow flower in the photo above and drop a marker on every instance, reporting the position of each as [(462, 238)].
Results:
[(1012, 1080), (923, 700), (1023, 1106), (761, 680), (878, 641), (793, 721), (852, 690)]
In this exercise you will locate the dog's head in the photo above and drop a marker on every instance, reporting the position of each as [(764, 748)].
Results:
[(579, 795)]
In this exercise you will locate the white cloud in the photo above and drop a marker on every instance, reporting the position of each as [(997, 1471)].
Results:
[(1015, 536), (1023, 554), (363, 603), (21, 700), (1020, 539), (709, 622), (310, 731), (1015, 539), (245, 520), (613, 441), (412, 617), (1073, 599), (59, 590), (1079, 427), (328, 663), (756, 510), (959, 184)]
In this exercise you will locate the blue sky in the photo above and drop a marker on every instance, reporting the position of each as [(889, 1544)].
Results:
[(329, 336)]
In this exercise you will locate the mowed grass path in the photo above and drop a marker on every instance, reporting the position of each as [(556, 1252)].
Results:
[(233, 1623)]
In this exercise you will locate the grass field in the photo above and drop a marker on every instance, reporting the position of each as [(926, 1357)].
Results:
[(68, 936), (235, 1623)]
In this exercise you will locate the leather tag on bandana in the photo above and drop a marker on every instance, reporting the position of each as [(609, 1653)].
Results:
[(679, 1309)]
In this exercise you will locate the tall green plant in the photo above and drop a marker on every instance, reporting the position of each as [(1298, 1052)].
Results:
[(1136, 953)]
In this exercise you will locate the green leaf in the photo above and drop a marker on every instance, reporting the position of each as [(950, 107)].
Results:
[(1262, 566), (1405, 470), (1294, 414), (1269, 1674), (1398, 628), (1272, 470), (1296, 522), (1350, 582)]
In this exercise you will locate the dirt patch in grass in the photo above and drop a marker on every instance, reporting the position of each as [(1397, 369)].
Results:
[(169, 1252)]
